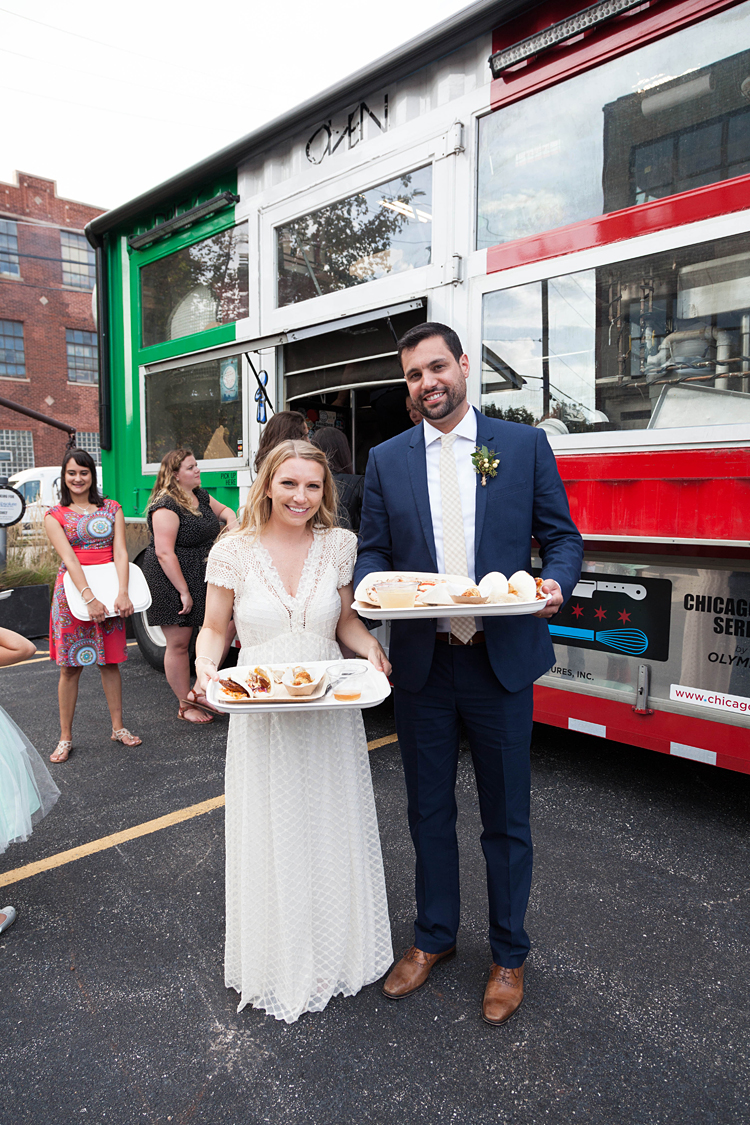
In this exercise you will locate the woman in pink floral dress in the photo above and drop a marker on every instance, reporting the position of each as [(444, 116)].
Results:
[(86, 530)]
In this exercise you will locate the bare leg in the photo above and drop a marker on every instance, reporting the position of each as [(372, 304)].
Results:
[(67, 697), (177, 667), (112, 684)]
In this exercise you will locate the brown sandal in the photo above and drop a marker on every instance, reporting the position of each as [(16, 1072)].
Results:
[(186, 705)]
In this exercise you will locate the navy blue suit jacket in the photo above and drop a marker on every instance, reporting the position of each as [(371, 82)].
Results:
[(525, 499)]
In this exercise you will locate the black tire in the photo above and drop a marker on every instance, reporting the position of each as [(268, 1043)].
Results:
[(150, 640)]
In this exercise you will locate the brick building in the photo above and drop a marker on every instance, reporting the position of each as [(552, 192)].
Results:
[(48, 348)]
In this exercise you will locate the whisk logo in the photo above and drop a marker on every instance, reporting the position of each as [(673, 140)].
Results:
[(617, 613)]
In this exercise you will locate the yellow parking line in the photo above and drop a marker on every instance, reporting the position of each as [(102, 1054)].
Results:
[(382, 741), (145, 829), (105, 842)]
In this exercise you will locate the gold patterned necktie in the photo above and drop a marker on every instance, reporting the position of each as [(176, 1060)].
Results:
[(454, 543)]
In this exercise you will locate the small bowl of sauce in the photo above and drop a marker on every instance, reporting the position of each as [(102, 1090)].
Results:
[(348, 678), (397, 595)]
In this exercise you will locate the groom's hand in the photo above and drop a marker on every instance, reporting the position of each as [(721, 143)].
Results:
[(552, 589)]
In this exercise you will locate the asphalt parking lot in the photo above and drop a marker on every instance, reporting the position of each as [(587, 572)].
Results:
[(114, 1008)]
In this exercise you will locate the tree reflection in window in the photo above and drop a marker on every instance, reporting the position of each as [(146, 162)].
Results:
[(196, 288), (386, 229)]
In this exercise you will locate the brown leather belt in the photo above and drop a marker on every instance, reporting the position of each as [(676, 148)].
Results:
[(450, 639)]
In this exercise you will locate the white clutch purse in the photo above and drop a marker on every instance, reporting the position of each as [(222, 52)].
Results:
[(104, 584)]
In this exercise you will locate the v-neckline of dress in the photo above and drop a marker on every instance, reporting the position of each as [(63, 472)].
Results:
[(276, 577)]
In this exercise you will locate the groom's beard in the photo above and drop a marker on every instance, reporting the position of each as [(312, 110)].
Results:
[(454, 396)]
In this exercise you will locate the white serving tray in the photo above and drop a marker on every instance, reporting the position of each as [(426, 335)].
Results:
[(418, 612), (104, 585), (374, 690)]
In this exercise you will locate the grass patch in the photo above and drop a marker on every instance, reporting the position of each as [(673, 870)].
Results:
[(31, 558)]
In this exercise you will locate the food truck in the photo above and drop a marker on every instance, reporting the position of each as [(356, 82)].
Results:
[(568, 187)]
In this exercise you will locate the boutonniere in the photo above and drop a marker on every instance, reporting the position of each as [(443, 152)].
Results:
[(485, 462)]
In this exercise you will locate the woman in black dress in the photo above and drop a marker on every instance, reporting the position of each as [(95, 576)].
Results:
[(183, 522)]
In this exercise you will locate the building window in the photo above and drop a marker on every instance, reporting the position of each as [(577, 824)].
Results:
[(12, 358), (78, 266), (385, 230), (195, 289), (656, 342), (83, 356), (666, 118), (20, 445), (9, 248), (90, 442)]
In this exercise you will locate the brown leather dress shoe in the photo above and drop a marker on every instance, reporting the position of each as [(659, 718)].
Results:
[(503, 995), (412, 971)]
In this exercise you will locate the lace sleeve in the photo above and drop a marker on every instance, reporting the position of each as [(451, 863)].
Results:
[(223, 567), (347, 555)]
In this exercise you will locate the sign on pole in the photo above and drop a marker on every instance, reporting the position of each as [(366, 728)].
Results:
[(12, 506)]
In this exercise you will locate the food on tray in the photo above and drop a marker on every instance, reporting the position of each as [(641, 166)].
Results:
[(493, 586), (300, 681), (235, 691), (465, 594), (259, 681), (393, 590), (367, 590), (434, 593), (398, 594), (523, 585)]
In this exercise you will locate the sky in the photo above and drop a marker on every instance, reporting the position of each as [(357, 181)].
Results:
[(110, 100)]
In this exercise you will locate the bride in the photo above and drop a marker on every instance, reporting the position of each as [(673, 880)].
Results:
[(307, 916)]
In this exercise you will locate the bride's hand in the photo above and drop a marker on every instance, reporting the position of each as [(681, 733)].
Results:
[(205, 671), (377, 657)]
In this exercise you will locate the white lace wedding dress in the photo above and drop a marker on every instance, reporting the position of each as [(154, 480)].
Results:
[(307, 916)]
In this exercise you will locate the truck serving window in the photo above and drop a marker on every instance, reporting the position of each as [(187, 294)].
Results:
[(195, 288), (386, 229), (656, 342), (665, 118), (198, 407)]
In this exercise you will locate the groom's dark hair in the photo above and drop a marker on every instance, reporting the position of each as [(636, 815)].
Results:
[(426, 331)]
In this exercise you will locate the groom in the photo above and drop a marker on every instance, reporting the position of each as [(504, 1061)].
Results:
[(426, 508)]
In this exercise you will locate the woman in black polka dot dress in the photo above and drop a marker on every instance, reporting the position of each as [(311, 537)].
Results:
[(183, 521)]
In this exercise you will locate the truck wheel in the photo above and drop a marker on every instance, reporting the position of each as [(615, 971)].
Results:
[(150, 640)]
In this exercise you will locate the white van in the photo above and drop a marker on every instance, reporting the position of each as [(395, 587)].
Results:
[(40, 489)]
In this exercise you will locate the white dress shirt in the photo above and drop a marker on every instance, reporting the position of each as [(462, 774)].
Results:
[(463, 447)]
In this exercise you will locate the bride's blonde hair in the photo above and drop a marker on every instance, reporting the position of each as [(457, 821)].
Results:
[(257, 510)]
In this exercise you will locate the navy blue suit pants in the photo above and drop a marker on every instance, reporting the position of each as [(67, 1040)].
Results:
[(462, 687)]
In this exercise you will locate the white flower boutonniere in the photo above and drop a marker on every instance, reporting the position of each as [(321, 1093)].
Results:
[(485, 462)]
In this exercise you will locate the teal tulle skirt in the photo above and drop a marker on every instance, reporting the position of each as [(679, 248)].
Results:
[(27, 791)]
